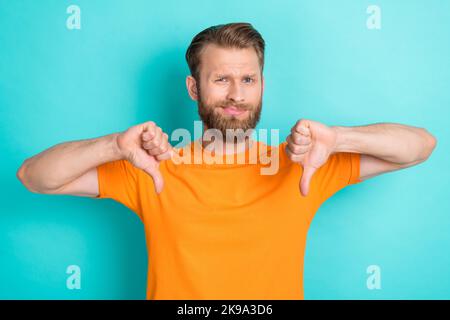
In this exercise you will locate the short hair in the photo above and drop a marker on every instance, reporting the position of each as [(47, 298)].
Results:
[(232, 35)]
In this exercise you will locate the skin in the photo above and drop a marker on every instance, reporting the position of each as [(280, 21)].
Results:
[(145, 146), (384, 147), (223, 77), (228, 76), (70, 168)]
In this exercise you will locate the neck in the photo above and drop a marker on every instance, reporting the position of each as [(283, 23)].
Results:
[(227, 147)]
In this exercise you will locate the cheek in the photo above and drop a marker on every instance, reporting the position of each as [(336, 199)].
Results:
[(255, 95), (214, 95)]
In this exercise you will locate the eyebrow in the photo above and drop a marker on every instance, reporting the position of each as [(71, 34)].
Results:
[(251, 75)]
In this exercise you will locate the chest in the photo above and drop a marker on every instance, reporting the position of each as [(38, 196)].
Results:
[(222, 209)]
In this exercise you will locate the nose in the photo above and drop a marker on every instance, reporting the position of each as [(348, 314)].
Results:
[(235, 93)]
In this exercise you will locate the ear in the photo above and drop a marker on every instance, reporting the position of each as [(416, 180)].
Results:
[(262, 85), (191, 85)]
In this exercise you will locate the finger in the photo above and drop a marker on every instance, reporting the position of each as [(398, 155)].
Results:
[(174, 154), (305, 180), (304, 131), (166, 155), (298, 149), (148, 135), (161, 149), (302, 127), (294, 157), (155, 141), (301, 131), (300, 138), (157, 178), (149, 131)]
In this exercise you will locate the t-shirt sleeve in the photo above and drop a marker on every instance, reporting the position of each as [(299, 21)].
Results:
[(340, 170), (118, 180)]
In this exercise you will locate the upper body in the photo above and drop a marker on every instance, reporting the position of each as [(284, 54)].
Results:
[(225, 230)]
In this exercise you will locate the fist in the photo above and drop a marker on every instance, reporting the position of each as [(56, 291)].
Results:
[(145, 146), (310, 143)]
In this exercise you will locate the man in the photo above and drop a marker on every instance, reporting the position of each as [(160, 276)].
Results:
[(224, 230)]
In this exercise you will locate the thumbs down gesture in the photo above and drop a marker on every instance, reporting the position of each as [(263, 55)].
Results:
[(310, 143)]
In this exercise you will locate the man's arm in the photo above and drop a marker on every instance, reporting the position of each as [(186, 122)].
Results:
[(70, 167), (385, 147)]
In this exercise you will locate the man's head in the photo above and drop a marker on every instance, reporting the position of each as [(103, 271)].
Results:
[(226, 64)]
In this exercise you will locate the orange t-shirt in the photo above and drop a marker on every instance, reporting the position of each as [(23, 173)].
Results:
[(226, 231)]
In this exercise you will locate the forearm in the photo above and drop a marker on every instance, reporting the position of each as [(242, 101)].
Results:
[(388, 141), (62, 163)]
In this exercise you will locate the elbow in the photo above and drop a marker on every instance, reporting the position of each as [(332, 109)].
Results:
[(21, 176), (429, 145)]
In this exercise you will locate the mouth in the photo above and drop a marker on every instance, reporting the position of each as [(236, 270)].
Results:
[(232, 110)]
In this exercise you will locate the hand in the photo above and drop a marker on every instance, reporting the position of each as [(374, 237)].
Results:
[(310, 144), (145, 146)]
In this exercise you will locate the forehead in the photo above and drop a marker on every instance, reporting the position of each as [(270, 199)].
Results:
[(215, 59)]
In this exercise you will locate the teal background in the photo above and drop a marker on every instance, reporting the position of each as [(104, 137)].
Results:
[(126, 66)]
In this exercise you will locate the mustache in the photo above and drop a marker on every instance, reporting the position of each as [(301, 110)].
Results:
[(240, 106)]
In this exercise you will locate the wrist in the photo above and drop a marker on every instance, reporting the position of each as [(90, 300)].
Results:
[(117, 152), (340, 134), (347, 140)]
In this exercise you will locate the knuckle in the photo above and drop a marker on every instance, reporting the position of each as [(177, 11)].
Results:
[(153, 152), (293, 130), (291, 148), (296, 135), (294, 158), (149, 133)]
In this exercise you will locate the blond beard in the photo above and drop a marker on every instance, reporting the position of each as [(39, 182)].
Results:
[(212, 119)]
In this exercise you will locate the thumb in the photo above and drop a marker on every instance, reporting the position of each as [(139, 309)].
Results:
[(305, 180), (157, 178), (169, 154)]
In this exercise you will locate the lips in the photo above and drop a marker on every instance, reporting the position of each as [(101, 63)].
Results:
[(233, 110)]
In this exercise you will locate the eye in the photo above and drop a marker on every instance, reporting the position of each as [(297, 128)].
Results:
[(248, 80), (221, 79)]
